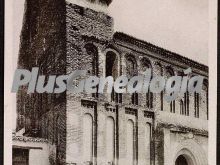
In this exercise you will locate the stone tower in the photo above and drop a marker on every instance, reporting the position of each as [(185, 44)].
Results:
[(43, 45), (57, 37)]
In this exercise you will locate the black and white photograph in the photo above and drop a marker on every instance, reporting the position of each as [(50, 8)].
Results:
[(110, 82)]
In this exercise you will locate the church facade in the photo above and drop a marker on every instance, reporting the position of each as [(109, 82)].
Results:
[(98, 129)]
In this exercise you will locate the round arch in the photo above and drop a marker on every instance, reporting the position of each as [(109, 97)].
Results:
[(185, 157), (146, 62), (169, 71), (192, 152), (92, 51), (117, 59), (131, 65), (158, 68)]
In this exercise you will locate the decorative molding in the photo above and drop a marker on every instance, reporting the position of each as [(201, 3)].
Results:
[(182, 129), (28, 139), (149, 114), (131, 111), (165, 54), (88, 104), (110, 108)]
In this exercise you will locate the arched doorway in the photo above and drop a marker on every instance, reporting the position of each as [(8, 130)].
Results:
[(185, 158), (181, 160), (190, 153)]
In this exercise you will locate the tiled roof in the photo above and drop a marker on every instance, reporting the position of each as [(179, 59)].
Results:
[(28, 139)]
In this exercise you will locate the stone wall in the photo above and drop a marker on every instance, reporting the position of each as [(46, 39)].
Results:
[(43, 45), (79, 35)]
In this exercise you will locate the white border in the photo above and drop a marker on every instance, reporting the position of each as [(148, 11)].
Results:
[(8, 70), (212, 81)]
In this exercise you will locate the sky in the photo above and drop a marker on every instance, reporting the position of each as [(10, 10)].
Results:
[(180, 26)]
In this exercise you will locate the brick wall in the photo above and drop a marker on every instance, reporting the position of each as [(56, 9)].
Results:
[(57, 42)]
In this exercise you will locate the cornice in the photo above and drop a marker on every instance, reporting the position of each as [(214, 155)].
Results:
[(120, 37), (29, 139)]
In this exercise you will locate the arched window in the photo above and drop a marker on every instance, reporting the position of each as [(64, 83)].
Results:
[(131, 70), (110, 139), (130, 142), (146, 64), (170, 73), (111, 64), (92, 51), (111, 68), (87, 138), (186, 98), (159, 70), (131, 66)]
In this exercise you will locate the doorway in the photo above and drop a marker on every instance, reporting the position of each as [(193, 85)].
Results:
[(20, 156), (181, 160)]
